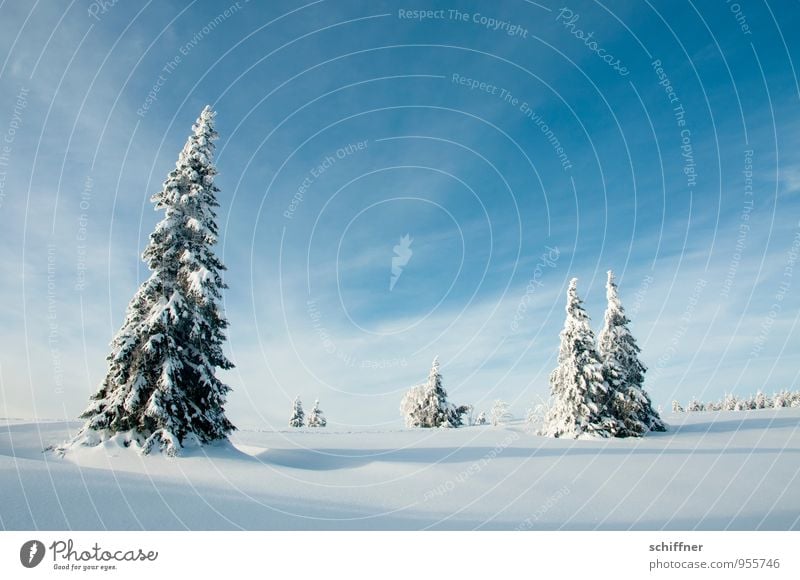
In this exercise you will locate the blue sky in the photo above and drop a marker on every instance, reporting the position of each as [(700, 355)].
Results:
[(518, 144)]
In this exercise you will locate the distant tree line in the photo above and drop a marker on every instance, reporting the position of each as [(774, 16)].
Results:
[(731, 402)]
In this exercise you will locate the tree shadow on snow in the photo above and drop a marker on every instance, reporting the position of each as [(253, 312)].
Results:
[(333, 459)]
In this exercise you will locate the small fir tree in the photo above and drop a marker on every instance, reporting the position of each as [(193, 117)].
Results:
[(695, 405), (500, 413), (535, 415), (316, 418), (426, 405), (782, 399), (730, 402), (298, 415)]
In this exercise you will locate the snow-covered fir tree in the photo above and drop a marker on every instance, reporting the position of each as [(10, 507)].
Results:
[(298, 415), (481, 420), (469, 415), (534, 416), (316, 418), (695, 405), (500, 414), (412, 406), (160, 390), (676, 407), (577, 388), (426, 405), (782, 399), (624, 372)]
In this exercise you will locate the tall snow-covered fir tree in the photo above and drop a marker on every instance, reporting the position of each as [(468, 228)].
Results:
[(298, 415), (426, 405), (161, 390), (577, 388), (316, 418), (624, 372)]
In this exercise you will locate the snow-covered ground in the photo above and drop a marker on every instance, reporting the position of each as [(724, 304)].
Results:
[(729, 470)]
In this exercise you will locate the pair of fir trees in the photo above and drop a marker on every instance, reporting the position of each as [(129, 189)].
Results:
[(597, 389), (316, 418)]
